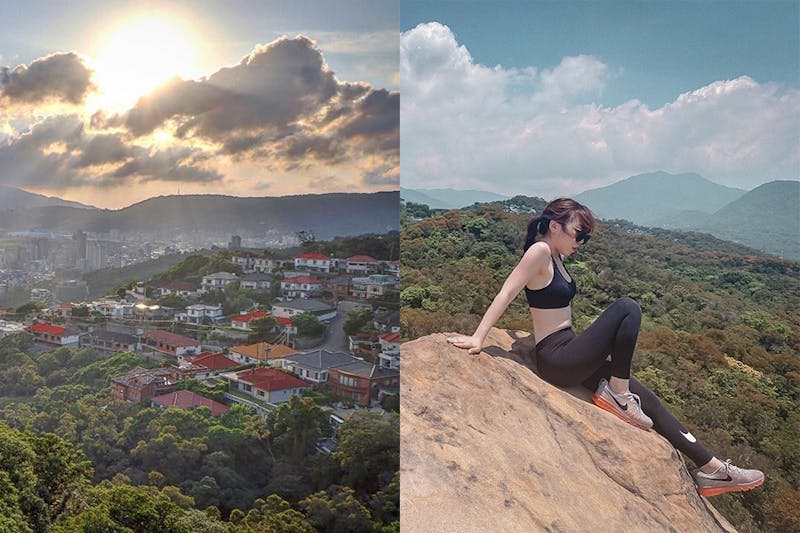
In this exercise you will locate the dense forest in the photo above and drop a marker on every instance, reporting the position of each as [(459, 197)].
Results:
[(719, 339), (73, 460)]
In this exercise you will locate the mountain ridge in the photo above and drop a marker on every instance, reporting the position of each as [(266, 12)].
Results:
[(327, 215)]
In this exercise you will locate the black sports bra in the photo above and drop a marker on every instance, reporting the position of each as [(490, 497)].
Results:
[(556, 295)]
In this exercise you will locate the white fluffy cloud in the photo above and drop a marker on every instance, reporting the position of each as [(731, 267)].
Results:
[(539, 131)]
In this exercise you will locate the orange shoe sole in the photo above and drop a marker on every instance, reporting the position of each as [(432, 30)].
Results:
[(603, 404), (716, 491)]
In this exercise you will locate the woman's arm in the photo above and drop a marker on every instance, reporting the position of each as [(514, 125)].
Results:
[(532, 262)]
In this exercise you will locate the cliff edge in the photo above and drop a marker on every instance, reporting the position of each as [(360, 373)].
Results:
[(487, 445)]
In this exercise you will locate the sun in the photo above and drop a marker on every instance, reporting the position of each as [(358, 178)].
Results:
[(137, 57)]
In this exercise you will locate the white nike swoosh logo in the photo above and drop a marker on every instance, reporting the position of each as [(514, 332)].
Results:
[(689, 436)]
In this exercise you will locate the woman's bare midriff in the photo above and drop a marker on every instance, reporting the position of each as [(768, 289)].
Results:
[(547, 321)]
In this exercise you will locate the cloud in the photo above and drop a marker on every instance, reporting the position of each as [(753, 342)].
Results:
[(538, 130), (63, 77), (102, 149), (281, 104), (269, 122), (58, 154), (165, 165)]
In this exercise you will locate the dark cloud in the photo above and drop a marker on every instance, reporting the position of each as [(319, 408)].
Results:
[(165, 165), (40, 156), (274, 86), (102, 149), (61, 76), (378, 113), (57, 154), (385, 175), (281, 105)]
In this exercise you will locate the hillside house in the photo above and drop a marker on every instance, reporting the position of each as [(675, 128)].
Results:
[(361, 264), (201, 314), (373, 286), (363, 382), (54, 334), (261, 353), (170, 343), (315, 366), (267, 384), (184, 399), (313, 262), (321, 310), (243, 320), (218, 280), (141, 383), (105, 341), (256, 281), (300, 286)]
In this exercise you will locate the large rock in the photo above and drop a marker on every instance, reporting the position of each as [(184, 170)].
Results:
[(486, 445)]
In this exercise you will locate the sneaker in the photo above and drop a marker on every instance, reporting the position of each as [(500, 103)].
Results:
[(627, 406), (727, 478)]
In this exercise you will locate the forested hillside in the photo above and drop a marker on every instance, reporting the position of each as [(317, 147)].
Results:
[(73, 460), (719, 340)]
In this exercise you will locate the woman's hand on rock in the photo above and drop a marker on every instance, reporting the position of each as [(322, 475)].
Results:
[(472, 344)]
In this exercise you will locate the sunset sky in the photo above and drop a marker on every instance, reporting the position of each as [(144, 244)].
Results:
[(110, 103), (552, 98)]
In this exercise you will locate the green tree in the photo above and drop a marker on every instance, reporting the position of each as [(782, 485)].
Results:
[(308, 325), (368, 452), (295, 427)]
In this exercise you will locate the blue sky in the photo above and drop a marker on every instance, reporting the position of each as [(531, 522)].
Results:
[(655, 50), (112, 102), (576, 95)]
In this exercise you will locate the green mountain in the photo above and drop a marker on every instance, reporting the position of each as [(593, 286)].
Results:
[(448, 198), (718, 342), (646, 199), (327, 215), (766, 218)]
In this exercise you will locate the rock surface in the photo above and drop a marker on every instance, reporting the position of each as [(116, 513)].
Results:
[(488, 446)]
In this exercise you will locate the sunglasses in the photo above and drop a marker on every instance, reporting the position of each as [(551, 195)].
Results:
[(581, 237)]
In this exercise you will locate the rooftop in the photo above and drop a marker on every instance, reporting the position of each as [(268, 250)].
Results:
[(366, 370), (270, 379), (321, 359), (172, 339), (185, 399), (305, 305)]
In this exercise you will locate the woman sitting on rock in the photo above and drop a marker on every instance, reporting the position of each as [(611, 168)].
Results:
[(565, 358)]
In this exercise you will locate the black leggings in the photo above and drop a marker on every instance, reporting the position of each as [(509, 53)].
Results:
[(566, 359)]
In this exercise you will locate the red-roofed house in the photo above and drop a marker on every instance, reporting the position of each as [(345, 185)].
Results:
[(170, 343), (362, 264), (53, 334), (300, 286), (286, 325), (184, 399), (243, 320), (203, 366), (312, 262), (267, 384)]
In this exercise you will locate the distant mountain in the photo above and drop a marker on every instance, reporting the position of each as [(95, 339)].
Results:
[(13, 198), (327, 215), (647, 199), (766, 218), (448, 198)]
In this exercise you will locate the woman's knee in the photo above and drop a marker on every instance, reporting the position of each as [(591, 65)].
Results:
[(629, 306)]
